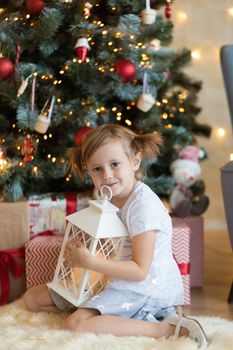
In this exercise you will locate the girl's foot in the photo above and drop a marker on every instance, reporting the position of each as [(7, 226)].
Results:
[(187, 326)]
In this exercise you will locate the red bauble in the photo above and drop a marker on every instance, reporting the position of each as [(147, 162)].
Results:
[(6, 68), (80, 134), (35, 7), (126, 69)]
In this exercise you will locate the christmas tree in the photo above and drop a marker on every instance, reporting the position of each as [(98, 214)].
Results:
[(69, 65)]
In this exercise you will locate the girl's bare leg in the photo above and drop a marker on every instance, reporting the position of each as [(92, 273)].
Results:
[(38, 298), (89, 320)]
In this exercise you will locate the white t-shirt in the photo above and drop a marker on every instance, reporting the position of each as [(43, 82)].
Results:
[(142, 212)]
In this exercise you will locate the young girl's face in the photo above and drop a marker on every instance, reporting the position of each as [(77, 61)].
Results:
[(110, 165)]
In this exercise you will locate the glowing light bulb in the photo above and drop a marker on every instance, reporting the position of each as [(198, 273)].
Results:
[(221, 132), (196, 54), (230, 11), (182, 16)]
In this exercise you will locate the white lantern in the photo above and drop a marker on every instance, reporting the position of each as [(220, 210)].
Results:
[(101, 231)]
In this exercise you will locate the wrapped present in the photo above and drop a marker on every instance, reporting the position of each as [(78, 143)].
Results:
[(195, 225), (13, 235), (181, 252), (48, 211), (12, 274), (41, 254)]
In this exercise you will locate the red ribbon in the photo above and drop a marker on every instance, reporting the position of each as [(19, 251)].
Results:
[(47, 233), (183, 267), (9, 264), (71, 202)]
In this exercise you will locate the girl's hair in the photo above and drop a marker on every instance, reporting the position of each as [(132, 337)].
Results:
[(147, 144)]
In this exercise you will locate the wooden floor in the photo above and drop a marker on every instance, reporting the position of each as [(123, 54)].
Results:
[(211, 300)]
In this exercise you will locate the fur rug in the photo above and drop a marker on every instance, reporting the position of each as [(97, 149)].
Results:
[(24, 330)]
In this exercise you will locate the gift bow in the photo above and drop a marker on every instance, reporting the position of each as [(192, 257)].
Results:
[(8, 263)]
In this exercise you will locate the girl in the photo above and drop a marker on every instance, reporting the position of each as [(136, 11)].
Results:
[(146, 284)]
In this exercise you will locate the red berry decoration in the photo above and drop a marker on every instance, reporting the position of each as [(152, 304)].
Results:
[(81, 133), (126, 69), (6, 68), (28, 149), (35, 7), (168, 11)]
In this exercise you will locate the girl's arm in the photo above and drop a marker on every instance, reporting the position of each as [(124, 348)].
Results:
[(137, 269)]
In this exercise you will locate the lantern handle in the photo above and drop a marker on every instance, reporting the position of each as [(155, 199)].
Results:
[(104, 196)]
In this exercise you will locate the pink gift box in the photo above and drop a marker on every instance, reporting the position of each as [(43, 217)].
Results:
[(41, 255), (195, 225), (181, 252)]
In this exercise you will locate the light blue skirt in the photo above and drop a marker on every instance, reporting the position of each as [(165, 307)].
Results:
[(122, 303)]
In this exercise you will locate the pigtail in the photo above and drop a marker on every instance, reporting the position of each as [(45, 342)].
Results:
[(76, 164), (147, 144)]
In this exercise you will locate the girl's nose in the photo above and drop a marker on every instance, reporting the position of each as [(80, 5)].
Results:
[(107, 174)]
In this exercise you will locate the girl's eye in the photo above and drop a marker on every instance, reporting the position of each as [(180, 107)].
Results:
[(115, 164), (96, 170)]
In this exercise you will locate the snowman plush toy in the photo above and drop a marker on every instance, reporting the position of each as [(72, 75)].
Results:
[(186, 171)]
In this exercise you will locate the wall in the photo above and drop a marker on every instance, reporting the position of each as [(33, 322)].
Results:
[(208, 25)]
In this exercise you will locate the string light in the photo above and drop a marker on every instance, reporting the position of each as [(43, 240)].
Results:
[(128, 122), (221, 132), (3, 161), (182, 17), (230, 11), (35, 170), (196, 54)]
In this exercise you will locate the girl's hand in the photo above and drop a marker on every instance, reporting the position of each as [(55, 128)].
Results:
[(76, 255)]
